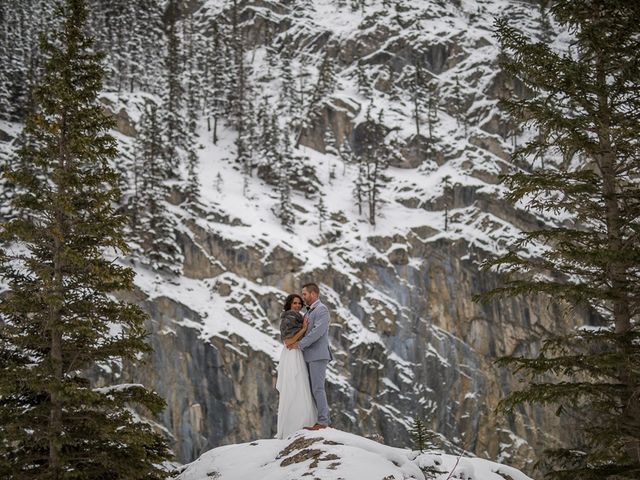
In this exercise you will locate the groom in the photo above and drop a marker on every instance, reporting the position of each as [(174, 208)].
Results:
[(315, 349)]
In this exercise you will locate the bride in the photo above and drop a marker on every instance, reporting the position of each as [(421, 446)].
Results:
[(295, 408)]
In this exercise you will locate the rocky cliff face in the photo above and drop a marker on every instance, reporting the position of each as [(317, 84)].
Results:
[(408, 339), (430, 352)]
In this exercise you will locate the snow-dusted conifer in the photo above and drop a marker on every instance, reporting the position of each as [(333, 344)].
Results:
[(323, 88), (20, 25), (394, 90), (330, 145), (215, 81), (218, 183), (174, 124), (240, 100), (419, 98), (300, 119), (192, 187), (421, 436), (459, 111), (271, 147), (321, 209), (58, 318), (154, 230), (362, 78), (285, 174), (372, 162), (194, 88), (361, 183), (326, 82), (589, 110), (331, 148), (446, 192), (287, 81), (432, 114), (346, 154)]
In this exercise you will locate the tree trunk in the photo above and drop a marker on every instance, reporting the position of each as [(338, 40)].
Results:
[(53, 325), (416, 106), (617, 272), (373, 193)]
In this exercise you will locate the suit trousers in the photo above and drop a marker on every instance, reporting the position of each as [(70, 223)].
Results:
[(317, 374)]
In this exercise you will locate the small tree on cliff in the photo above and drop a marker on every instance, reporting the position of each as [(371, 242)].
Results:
[(590, 109), (58, 319), (423, 439), (421, 436)]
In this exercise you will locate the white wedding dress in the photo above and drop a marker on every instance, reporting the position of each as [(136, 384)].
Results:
[(296, 408)]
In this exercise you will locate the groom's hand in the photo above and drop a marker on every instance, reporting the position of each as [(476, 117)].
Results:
[(293, 346)]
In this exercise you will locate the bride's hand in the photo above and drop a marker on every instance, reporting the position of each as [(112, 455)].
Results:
[(305, 323)]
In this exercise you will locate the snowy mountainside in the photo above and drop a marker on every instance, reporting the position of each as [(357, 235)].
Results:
[(333, 454), (331, 78), (407, 338)]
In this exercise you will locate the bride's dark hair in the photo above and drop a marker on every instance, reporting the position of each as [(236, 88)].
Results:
[(289, 300)]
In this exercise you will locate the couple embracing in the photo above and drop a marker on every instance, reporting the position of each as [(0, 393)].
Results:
[(303, 363)]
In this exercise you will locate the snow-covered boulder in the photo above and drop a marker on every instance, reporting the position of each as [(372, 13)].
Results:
[(333, 454)]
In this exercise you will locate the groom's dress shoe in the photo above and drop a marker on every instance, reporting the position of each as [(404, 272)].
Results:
[(317, 426)]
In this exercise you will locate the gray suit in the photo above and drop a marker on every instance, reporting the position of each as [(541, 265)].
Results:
[(315, 349)]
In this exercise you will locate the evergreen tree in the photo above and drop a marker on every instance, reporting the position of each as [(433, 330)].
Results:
[(58, 317), (422, 438), (300, 119), (331, 148), (286, 171), (446, 190), (218, 183), (326, 84), (372, 162), (194, 101), (131, 34), (154, 228), (240, 99), (346, 154), (589, 109), (394, 91), (321, 208), (459, 112), (192, 187), (360, 185), (432, 114), (20, 24), (362, 78), (287, 90), (148, 45), (378, 162), (175, 134), (215, 80), (270, 143), (420, 96), (323, 88)]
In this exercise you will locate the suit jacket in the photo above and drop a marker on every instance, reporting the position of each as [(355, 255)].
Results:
[(315, 344)]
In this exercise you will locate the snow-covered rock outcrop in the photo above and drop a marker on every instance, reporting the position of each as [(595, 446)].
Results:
[(335, 455)]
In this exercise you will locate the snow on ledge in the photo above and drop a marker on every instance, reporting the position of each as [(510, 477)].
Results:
[(331, 455)]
